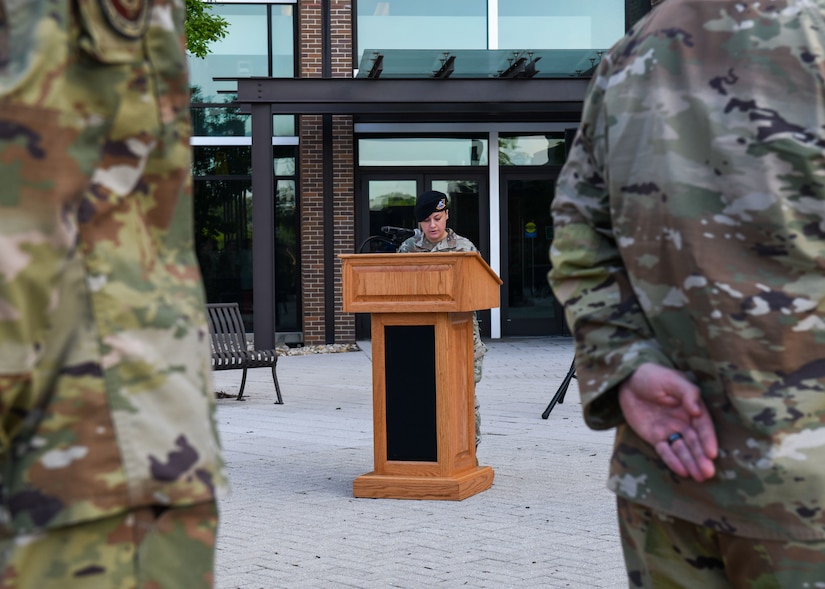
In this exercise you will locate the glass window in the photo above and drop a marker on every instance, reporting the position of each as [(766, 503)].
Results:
[(284, 164), (530, 301), (421, 24), (221, 161), (217, 121), (224, 227), (543, 24), (287, 255), (385, 194), (246, 50), (242, 53), (220, 122), (287, 241), (422, 151), (283, 42), (223, 221), (391, 202), (464, 203), (531, 150), (283, 126)]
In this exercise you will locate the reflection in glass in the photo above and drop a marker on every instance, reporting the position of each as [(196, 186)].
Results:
[(284, 165), (421, 24), (283, 41), (540, 24), (529, 233), (283, 126), (287, 254), (221, 160), (464, 207), (531, 150), (422, 151), (220, 122), (223, 218), (246, 50), (391, 202), (224, 223)]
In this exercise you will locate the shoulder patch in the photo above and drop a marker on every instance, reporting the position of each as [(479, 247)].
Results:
[(130, 18)]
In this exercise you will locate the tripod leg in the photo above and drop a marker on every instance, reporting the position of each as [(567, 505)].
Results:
[(559, 396)]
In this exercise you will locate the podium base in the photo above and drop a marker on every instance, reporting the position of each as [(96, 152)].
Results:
[(452, 488)]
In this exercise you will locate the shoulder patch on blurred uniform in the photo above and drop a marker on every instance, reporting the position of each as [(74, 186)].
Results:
[(129, 18)]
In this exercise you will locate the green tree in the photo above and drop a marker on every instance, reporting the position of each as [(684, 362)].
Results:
[(202, 27)]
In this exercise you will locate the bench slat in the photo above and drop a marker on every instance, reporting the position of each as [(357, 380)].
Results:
[(229, 347)]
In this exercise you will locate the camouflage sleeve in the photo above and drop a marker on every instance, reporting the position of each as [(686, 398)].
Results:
[(407, 246), (588, 274)]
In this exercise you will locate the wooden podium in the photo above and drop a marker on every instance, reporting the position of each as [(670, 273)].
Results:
[(422, 309)]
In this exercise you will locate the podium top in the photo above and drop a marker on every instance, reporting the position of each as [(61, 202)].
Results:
[(418, 283)]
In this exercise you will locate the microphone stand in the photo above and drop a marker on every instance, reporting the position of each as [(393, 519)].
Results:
[(381, 239), (394, 237)]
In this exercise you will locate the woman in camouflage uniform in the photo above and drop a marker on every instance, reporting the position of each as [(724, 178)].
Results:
[(431, 214)]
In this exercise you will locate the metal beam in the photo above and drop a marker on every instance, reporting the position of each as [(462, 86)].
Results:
[(515, 70), (377, 67), (524, 98), (447, 68), (263, 240)]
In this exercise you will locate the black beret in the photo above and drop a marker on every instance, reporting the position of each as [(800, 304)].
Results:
[(429, 202)]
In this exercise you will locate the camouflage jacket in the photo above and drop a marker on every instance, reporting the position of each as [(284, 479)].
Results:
[(106, 400), (453, 242), (690, 232)]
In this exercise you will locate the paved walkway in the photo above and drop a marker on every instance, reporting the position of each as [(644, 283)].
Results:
[(291, 522)]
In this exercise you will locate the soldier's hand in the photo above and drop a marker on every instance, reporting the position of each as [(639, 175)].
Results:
[(665, 409)]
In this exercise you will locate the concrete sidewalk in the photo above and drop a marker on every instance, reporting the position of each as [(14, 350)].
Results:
[(291, 521)]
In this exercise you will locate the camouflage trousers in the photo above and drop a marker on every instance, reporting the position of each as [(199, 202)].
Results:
[(479, 349), (664, 552), (477, 368), (148, 548)]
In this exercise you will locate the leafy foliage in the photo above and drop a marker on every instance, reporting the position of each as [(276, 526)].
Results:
[(202, 27)]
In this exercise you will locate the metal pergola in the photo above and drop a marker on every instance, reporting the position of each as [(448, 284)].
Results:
[(502, 100)]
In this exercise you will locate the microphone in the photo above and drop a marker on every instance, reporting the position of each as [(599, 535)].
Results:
[(399, 232)]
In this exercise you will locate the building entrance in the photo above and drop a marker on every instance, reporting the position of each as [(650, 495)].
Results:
[(528, 306), (390, 200)]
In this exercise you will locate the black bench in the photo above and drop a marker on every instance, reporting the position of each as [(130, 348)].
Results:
[(229, 348)]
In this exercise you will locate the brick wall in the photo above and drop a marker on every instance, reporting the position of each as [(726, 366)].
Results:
[(313, 215)]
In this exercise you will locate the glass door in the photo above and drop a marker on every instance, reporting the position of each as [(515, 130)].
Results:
[(389, 200), (469, 206), (389, 203), (528, 305)]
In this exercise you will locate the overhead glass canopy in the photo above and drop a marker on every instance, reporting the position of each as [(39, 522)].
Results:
[(478, 63)]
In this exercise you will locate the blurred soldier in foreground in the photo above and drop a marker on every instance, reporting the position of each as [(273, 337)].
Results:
[(690, 254), (109, 452)]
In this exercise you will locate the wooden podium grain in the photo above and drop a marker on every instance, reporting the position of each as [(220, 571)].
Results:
[(421, 308)]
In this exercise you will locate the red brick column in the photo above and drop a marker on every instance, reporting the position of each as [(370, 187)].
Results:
[(311, 176)]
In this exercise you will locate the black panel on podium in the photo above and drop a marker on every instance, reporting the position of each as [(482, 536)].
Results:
[(410, 375)]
